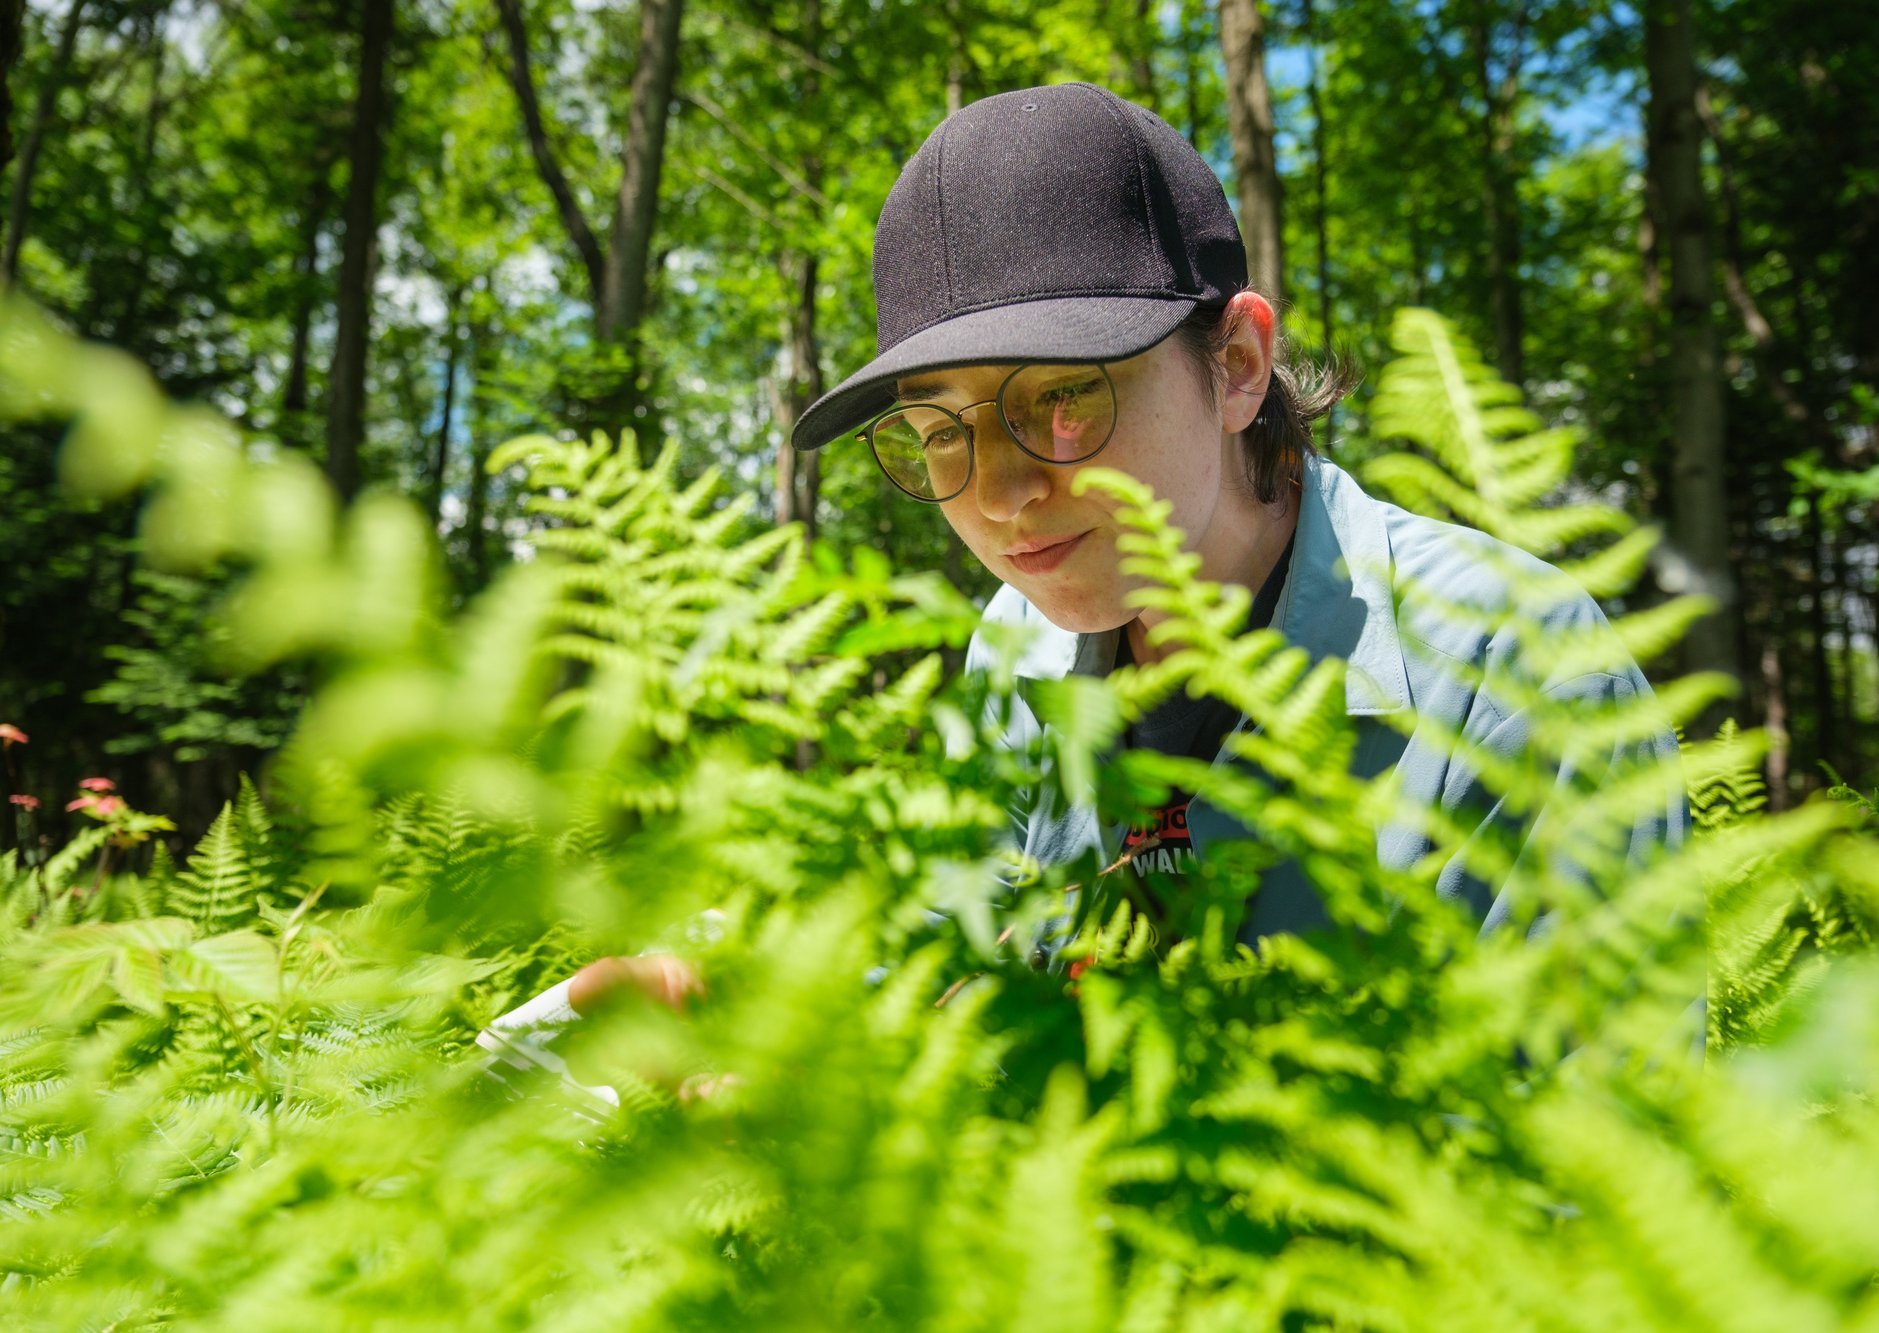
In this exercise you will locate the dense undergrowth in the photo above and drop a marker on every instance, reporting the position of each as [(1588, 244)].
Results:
[(241, 1091)]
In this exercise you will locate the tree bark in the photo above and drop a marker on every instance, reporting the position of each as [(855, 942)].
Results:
[(1250, 126), (12, 38), (476, 501), (1699, 501), (522, 79), (1500, 198), (440, 455), (20, 207), (636, 204), (345, 387), (797, 475), (1775, 723), (1321, 169), (1826, 728)]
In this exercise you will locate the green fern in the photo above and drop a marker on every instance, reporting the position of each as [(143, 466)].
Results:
[(255, 1079)]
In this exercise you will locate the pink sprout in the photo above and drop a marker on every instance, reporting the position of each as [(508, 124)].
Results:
[(11, 735), (97, 784), (24, 801), (98, 807)]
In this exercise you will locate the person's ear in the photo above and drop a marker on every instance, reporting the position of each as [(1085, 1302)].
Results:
[(1247, 358)]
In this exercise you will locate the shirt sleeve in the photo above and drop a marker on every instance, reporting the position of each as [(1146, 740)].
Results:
[(1599, 839)]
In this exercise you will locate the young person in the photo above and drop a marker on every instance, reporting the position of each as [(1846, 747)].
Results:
[(1060, 283)]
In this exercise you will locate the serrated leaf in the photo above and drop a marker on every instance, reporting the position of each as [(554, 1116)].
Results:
[(240, 965)]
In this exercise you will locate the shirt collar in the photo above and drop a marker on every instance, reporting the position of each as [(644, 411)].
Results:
[(1336, 601)]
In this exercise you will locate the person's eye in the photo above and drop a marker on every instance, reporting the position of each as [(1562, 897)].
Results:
[(946, 437), (1060, 395)]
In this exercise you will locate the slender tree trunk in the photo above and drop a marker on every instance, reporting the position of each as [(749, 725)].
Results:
[(1250, 126), (1699, 502), (1826, 711), (440, 455), (1500, 198), (787, 457), (522, 80), (1193, 44), (476, 500), (1657, 459), (345, 387), (12, 39), (636, 204), (20, 208), (957, 57), (805, 383), (798, 476), (1775, 723), (1321, 171)]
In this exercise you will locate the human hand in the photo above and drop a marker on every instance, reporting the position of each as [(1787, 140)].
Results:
[(661, 977)]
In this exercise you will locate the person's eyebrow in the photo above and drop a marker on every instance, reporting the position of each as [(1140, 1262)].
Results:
[(920, 390)]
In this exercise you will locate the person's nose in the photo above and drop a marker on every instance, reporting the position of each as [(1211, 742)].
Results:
[(1005, 478)]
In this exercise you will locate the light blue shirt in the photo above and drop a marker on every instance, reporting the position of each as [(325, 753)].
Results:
[(1425, 614)]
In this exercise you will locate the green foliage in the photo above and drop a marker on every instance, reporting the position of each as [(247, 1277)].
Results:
[(243, 1093)]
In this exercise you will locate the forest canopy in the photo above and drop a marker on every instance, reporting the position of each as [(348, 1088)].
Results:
[(391, 235)]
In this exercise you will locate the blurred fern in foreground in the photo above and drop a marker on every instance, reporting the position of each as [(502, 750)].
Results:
[(241, 1093)]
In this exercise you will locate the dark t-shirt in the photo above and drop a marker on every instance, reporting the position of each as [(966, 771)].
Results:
[(1195, 728)]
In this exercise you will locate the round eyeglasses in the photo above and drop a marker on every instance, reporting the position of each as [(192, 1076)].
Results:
[(1056, 414)]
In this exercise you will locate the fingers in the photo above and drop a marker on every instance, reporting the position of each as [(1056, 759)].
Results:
[(703, 1087)]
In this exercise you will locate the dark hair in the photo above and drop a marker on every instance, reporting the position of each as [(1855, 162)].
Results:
[(1280, 436)]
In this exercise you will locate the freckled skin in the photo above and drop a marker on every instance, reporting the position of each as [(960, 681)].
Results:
[(1170, 434)]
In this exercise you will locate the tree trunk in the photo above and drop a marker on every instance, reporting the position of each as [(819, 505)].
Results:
[(1321, 172), (476, 500), (522, 80), (1500, 199), (12, 38), (799, 472), (440, 457), (1699, 502), (798, 476), (636, 205), (1775, 723), (1250, 126), (786, 457), (1826, 726), (20, 208), (345, 387), (1193, 49)]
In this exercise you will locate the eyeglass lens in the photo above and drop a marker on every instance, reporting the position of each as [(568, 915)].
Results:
[(1059, 414)]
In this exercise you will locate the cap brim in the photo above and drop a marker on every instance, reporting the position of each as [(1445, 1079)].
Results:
[(1074, 328)]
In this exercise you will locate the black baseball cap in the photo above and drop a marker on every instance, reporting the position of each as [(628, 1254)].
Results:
[(1048, 224)]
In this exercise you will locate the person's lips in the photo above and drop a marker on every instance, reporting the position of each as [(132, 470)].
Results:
[(1040, 555)]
